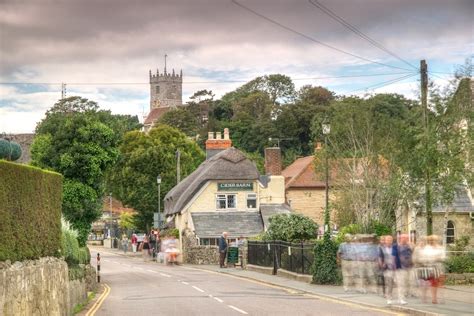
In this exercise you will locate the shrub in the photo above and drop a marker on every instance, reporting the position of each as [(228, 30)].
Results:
[(460, 263), (71, 251), (30, 212), (349, 229), (9, 150), (379, 229), (325, 270), (291, 227), (170, 232)]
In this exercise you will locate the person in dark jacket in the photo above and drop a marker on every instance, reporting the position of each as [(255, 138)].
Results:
[(222, 249)]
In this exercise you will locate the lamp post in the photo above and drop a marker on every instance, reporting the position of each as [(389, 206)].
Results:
[(158, 180), (110, 221), (326, 130)]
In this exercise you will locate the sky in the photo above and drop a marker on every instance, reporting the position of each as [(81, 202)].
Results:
[(104, 49)]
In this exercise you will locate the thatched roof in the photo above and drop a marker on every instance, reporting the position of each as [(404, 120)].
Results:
[(230, 164)]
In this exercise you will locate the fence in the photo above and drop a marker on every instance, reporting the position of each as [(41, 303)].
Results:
[(294, 257)]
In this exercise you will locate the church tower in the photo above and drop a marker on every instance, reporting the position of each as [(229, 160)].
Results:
[(166, 89)]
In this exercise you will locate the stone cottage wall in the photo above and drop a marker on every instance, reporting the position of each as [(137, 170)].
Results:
[(36, 287), (42, 287)]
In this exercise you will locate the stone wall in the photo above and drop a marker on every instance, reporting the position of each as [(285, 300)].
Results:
[(36, 287), (463, 225), (202, 255), (42, 287)]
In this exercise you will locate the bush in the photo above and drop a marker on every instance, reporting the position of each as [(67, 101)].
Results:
[(72, 253), (379, 229), (460, 263), (30, 212), (325, 269), (170, 232), (291, 227), (9, 150), (349, 229)]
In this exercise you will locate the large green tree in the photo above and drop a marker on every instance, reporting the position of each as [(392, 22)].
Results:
[(80, 141), (142, 158)]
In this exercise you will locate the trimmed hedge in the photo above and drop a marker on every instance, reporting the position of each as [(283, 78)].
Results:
[(30, 212)]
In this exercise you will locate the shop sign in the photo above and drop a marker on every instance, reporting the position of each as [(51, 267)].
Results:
[(235, 186)]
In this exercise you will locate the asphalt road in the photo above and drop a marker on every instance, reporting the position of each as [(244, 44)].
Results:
[(146, 288)]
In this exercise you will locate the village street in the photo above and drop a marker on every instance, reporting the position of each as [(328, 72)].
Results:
[(145, 288)]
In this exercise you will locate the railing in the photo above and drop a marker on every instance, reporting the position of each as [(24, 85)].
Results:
[(294, 257)]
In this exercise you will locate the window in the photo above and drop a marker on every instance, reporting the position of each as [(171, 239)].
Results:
[(225, 201), (157, 89), (450, 232), (251, 200), (208, 242)]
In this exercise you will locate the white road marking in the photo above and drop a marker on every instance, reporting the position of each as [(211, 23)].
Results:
[(238, 309), (152, 271), (185, 283), (198, 289), (165, 275), (219, 300), (115, 262)]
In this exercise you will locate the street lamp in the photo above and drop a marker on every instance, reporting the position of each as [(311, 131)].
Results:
[(326, 130), (158, 180), (110, 221)]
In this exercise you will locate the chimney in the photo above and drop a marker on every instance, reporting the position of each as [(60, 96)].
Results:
[(273, 161), (217, 144)]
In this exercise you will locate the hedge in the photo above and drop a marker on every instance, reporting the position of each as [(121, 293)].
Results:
[(30, 212)]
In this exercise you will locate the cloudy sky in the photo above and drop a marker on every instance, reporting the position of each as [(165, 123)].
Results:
[(103, 49)]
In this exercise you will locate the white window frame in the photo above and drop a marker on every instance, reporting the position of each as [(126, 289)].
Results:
[(219, 196), (450, 238), (251, 196)]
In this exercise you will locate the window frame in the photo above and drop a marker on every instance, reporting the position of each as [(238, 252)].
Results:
[(254, 199), (450, 232), (226, 200)]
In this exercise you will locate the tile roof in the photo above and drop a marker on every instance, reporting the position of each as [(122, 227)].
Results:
[(268, 210), (212, 224), (155, 114), (301, 174), (462, 202)]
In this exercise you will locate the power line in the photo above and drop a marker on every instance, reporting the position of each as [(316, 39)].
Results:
[(355, 30), (312, 38), (193, 82), (383, 84)]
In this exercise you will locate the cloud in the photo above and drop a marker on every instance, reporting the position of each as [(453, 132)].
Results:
[(105, 42)]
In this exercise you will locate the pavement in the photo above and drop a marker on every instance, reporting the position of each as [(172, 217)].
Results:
[(454, 300)]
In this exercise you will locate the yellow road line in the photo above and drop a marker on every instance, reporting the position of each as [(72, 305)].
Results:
[(292, 291), (99, 302)]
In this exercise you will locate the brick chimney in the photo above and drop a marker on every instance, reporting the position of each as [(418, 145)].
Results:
[(215, 143), (273, 161)]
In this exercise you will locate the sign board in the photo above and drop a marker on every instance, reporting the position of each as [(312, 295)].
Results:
[(156, 220), (235, 186), (233, 255)]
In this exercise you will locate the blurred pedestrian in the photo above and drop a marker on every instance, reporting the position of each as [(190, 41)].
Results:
[(134, 241), (387, 264), (146, 248), (402, 254), (124, 243), (380, 278), (346, 257), (222, 249)]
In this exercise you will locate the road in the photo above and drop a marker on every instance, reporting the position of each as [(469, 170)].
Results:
[(146, 288)]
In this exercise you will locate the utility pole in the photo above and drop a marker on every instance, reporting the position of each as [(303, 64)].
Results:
[(178, 166), (424, 104)]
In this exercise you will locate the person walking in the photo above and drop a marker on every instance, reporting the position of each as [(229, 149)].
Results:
[(387, 264), (146, 248), (124, 243), (134, 241), (402, 254), (222, 249)]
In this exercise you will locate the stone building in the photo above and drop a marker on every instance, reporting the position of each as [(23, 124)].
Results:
[(225, 193), (166, 91)]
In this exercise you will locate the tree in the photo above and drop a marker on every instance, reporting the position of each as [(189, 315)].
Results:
[(126, 222), (291, 227), (182, 119), (79, 141), (142, 158)]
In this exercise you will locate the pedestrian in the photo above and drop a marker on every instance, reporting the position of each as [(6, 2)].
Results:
[(380, 278), (387, 264), (124, 243), (222, 249), (152, 243), (134, 242), (146, 248), (346, 256), (402, 254)]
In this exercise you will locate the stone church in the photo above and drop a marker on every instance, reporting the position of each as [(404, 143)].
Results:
[(166, 91)]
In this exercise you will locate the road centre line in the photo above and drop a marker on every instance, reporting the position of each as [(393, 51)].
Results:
[(198, 289), (218, 299), (185, 283), (238, 309), (152, 271), (165, 275)]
